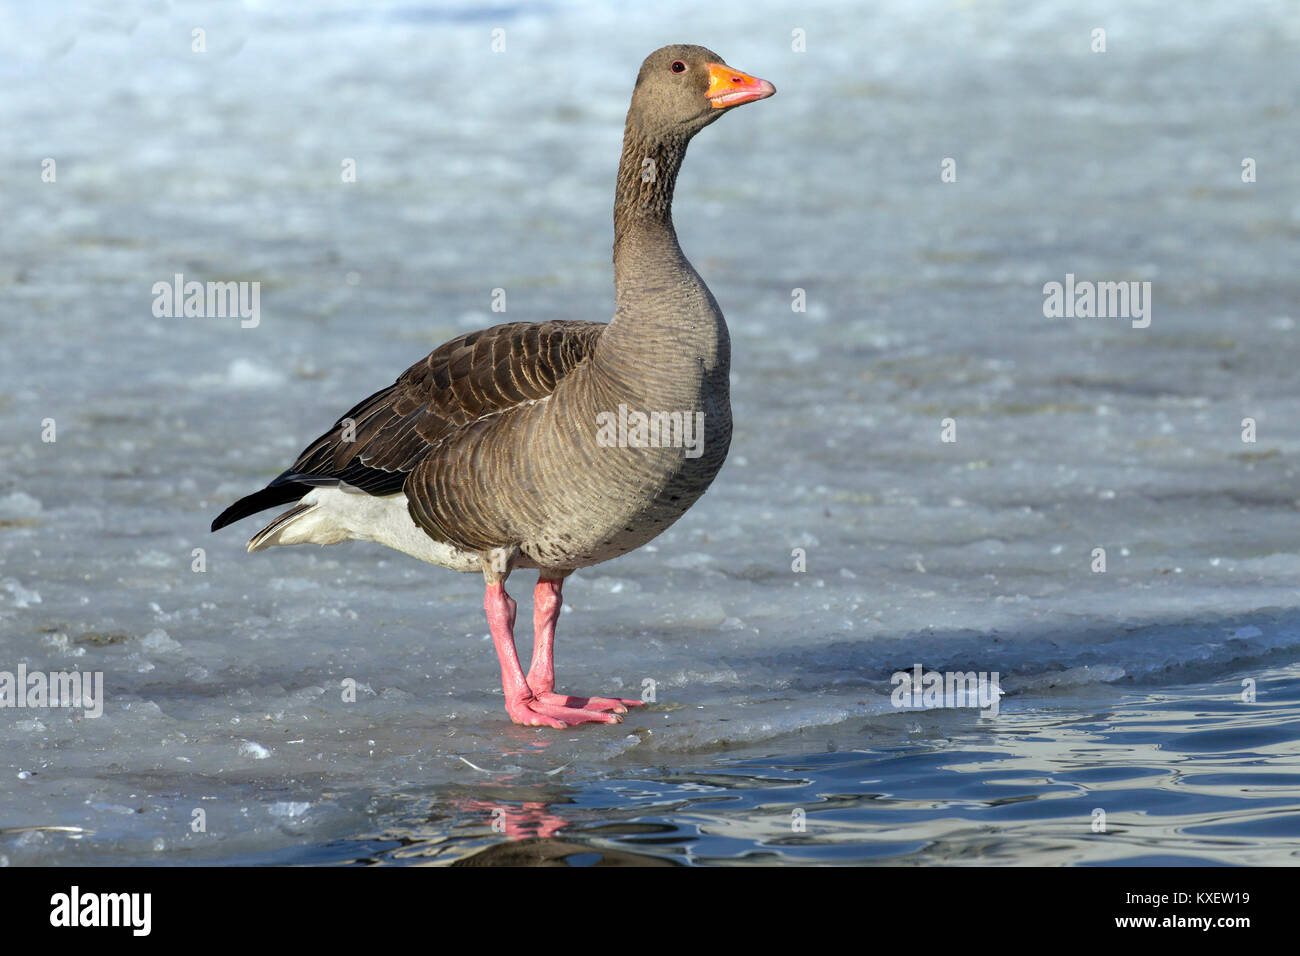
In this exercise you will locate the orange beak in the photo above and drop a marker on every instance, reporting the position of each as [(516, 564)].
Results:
[(728, 87)]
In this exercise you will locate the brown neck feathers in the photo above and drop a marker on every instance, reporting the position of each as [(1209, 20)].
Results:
[(647, 173)]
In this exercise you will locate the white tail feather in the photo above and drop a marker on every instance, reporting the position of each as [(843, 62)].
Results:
[(329, 515)]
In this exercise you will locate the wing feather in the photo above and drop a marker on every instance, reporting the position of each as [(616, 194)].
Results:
[(460, 383)]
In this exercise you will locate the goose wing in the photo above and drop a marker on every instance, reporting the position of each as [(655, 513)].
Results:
[(377, 444)]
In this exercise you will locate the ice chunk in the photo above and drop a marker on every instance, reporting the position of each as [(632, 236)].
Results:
[(21, 596), (159, 641), (249, 748)]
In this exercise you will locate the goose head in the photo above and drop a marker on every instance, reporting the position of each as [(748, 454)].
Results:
[(683, 88)]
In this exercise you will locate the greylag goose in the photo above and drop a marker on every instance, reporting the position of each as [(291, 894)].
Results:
[(554, 445)]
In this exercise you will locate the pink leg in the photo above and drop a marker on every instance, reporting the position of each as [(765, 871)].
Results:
[(546, 611), (541, 673), (523, 706)]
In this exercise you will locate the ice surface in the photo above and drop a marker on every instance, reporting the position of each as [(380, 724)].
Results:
[(225, 672)]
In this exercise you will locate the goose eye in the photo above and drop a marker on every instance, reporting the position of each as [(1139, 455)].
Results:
[(678, 66)]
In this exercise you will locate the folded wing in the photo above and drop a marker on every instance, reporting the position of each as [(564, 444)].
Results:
[(380, 441)]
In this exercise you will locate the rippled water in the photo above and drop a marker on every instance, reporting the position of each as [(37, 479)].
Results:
[(1187, 776)]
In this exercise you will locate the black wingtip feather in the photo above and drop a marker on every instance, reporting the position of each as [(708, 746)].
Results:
[(268, 497)]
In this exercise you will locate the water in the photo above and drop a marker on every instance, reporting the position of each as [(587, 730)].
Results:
[(224, 672), (1180, 777)]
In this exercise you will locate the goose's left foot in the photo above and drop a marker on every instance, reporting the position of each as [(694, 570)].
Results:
[(618, 705)]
